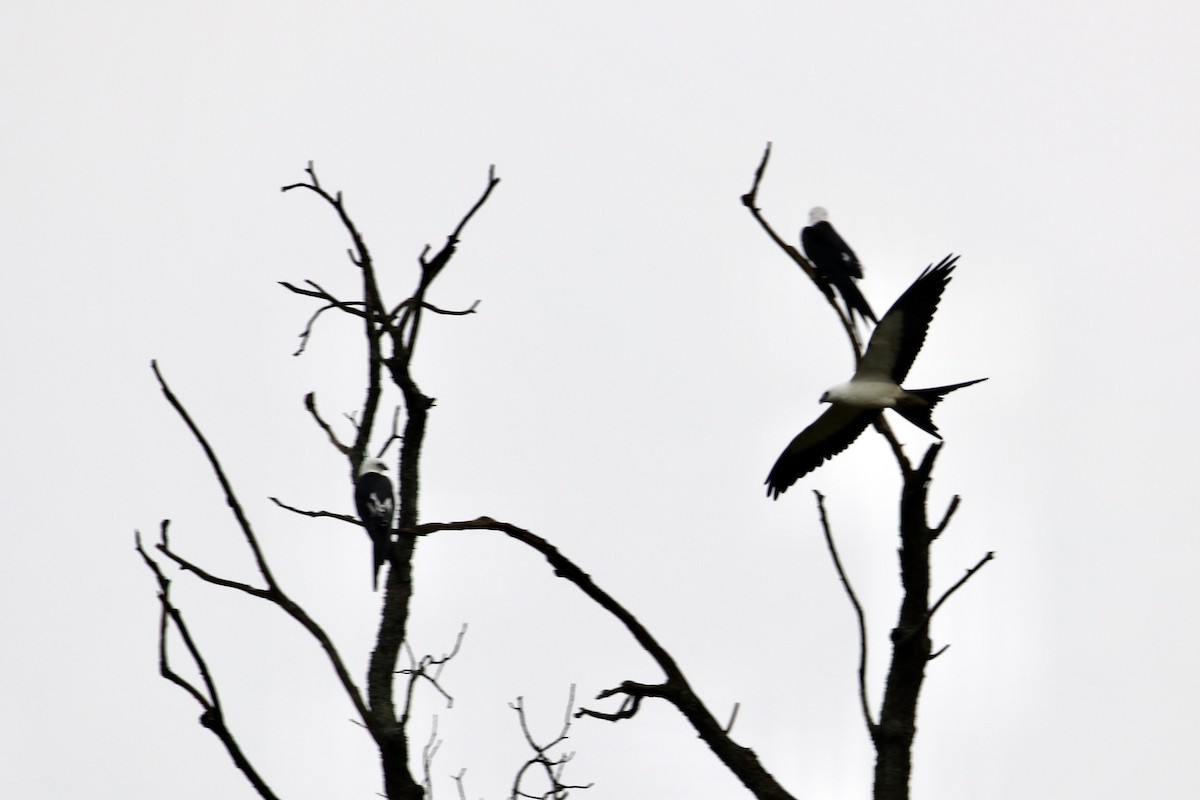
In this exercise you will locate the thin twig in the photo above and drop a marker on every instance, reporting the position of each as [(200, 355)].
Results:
[(218, 470), (552, 767), (213, 716), (316, 514), (958, 584), (941, 526), (310, 403), (859, 614), (421, 669), (750, 201), (273, 592)]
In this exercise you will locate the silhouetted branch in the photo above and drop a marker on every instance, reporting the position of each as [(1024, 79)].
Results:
[(273, 592), (430, 669), (732, 718), (310, 403), (332, 302), (431, 307), (958, 584), (226, 487), (213, 716), (750, 201), (410, 319), (432, 745), (458, 781), (741, 761), (859, 614), (394, 436), (551, 767), (884, 429), (316, 514), (941, 526), (373, 314), (892, 734)]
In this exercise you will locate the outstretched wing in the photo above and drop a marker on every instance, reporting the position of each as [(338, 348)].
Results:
[(898, 337), (832, 433)]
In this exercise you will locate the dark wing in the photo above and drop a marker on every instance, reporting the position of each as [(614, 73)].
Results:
[(832, 433), (837, 264), (824, 245), (374, 501), (376, 506), (898, 337)]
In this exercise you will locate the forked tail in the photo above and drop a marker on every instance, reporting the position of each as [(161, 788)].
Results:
[(921, 413)]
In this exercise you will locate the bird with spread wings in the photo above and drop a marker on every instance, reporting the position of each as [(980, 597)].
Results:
[(875, 386)]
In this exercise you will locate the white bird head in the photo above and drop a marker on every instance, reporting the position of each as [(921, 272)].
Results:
[(372, 465), (818, 214)]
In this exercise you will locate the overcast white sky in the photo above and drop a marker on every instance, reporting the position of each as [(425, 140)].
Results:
[(640, 356)]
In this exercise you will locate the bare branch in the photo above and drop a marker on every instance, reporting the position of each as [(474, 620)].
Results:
[(675, 689), (422, 669), (432, 745), (431, 307), (750, 201), (213, 716), (394, 436), (551, 767), (859, 614), (458, 781), (373, 312), (732, 718), (226, 487), (208, 577), (273, 593), (958, 584), (410, 318), (306, 334), (941, 526), (331, 302), (310, 403), (316, 514), (885, 430), (470, 310)]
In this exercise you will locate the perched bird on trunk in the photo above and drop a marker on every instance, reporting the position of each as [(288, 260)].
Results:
[(376, 504)]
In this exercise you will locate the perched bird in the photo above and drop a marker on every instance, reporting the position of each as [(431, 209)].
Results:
[(376, 506), (875, 386), (835, 262)]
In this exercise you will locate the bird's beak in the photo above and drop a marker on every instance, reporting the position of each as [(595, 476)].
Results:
[(825, 397)]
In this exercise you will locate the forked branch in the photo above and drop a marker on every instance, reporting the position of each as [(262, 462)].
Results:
[(213, 716), (675, 689)]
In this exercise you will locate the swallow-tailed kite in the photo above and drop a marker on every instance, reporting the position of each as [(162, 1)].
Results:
[(835, 262), (376, 507), (875, 386)]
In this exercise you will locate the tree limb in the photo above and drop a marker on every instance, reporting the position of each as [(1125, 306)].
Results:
[(858, 613), (213, 716), (741, 761)]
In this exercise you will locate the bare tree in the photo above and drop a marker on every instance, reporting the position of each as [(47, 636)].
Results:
[(391, 333), (893, 731)]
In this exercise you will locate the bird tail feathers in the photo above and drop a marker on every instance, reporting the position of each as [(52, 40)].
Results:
[(382, 551), (921, 414)]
